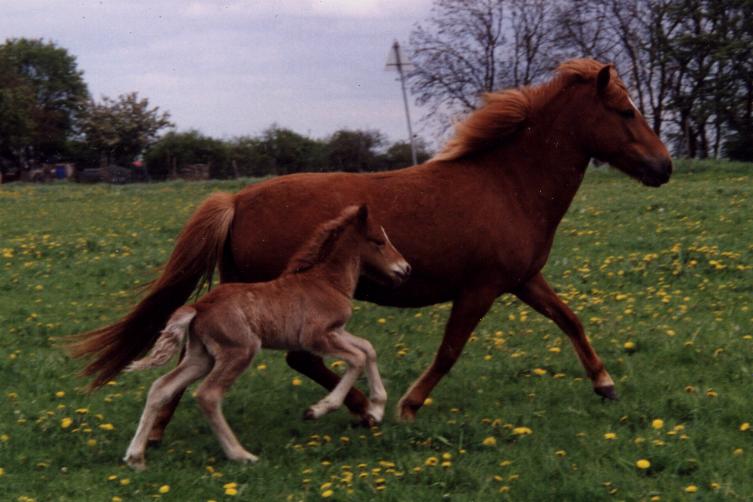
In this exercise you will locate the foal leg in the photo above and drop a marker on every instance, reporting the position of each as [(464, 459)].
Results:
[(229, 363), (166, 412), (313, 367), (539, 295), (337, 344), (467, 310), (162, 391), (377, 392)]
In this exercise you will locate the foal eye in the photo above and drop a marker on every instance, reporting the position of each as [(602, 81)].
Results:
[(628, 114)]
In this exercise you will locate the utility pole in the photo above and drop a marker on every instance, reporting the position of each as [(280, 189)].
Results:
[(397, 60)]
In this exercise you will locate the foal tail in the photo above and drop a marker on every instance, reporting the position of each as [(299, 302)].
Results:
[(198, 250), (171, 339)]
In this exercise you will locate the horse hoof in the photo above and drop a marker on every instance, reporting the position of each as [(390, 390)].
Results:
[(607, 392), (309, 414), (406, 412)]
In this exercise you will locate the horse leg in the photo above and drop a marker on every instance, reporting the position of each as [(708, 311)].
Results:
[(336, 344), (165, 413), (229, 363), (313, 367), (539, 295), (377, 392), (164, 390), (467, 310)]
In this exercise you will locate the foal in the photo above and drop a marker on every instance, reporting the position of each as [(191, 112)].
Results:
[(306, 308)]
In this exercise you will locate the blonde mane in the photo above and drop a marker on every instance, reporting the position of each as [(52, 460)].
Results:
[(321, 243), (503, 113)]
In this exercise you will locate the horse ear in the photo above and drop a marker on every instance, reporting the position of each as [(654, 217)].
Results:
[(602, 79), (363, 214)]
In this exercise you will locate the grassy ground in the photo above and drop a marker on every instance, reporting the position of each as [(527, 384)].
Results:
[(661, 279)]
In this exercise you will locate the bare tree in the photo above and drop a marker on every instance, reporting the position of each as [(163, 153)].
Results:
[(533, 52)]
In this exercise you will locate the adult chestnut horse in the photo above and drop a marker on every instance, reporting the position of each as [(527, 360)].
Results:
[(476, 221)]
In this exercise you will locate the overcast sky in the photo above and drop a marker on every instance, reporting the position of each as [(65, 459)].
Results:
[(230, 68)]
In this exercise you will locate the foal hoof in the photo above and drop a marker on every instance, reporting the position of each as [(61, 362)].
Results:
[(137, 464), (368, 421), (406, 412), (607, 392), (309, 414)]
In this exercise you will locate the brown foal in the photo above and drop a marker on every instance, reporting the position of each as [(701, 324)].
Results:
[(305, 309)]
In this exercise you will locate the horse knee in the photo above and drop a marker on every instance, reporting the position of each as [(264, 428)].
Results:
[(357, 361), (208, 400), (369, 350)]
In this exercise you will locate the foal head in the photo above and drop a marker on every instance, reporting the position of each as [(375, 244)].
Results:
[(354, 232), (379, 258), (611, 127)]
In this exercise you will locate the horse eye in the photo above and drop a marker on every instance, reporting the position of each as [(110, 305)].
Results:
[(628, 114)]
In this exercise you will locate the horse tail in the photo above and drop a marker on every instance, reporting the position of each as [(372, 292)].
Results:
[(171, 339), (198, 249)]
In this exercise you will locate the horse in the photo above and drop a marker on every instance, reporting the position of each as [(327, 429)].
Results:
[(475, 221), (306, 308)]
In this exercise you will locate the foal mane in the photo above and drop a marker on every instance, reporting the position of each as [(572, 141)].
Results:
[(321, 243), (504, 112)]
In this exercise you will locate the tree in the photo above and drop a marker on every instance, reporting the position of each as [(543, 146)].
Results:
[(471, 47), (290, 152), (177, 149), (42, 93), (399, 154), (121, 129), (354, 150)]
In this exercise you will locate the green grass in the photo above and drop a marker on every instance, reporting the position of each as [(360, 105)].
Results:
[(667, 269)]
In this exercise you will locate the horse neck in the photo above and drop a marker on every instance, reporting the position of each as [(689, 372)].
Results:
[(342, 267), (542, 166)]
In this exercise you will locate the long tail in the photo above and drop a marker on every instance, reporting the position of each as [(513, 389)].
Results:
[(171, 340), (198, 249)]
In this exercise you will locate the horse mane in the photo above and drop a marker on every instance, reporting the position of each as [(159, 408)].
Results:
[(321, 243), (503, 113)]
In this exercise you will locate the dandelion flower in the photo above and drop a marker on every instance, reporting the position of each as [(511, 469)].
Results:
[(610, 436), (231, 492), (428, 401), (489, 441), (107, 427), (522, 431), (745, 426), (66, 422), (382, 320), (691, 489), (657, 423), (431, 461), (60, 393), (296, 381), (327, 494), (2, 472), (539, 371), (164, 489), (737, 452), (629, 346), (643, 464)]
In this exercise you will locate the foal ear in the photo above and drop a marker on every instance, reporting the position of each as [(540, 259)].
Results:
[(602, 79), (363, 214)]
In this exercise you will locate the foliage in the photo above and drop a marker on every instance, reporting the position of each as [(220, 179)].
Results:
[(41, 95), (120, 129), (176, 150), (354, 151), (667, 270)]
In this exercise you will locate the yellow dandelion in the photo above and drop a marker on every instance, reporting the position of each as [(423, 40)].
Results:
[(125, 481), (428, 401), (610, 436), (91, 442), (446, 456), (296, 381), (489, 441), (66, 422), (327, 494), (231, 492), (714, 486), (737, 452), (629, 346), (643, 464), (522, 431), (164, 489), (2, 472), (107, 427), (657, 423), (60, 393), (382, 320), (745, 426), (560, 453), (539, 371), (431, 461), (117, 499), (691, 489)]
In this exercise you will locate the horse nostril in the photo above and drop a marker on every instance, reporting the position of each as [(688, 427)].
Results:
[(406, 270)]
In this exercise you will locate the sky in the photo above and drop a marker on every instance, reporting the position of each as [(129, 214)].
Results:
[(233, 68)]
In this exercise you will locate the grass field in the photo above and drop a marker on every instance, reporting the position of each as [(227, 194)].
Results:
[(660, 277)]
